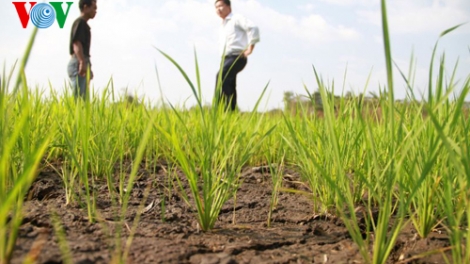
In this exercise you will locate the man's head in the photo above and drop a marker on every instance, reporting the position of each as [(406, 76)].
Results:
[(223, 8), (88, 8)]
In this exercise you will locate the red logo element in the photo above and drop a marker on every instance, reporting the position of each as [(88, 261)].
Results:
[(22, 13)]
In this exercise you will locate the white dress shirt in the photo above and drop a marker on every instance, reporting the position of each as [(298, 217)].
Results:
[(236, 34)]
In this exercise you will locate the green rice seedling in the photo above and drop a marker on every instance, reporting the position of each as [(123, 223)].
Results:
[(124, 154), (423, 211), (5, 108), (69, 177), (454, 133), (384, 235), (19, 158), (18, 167), (212, 163), (424, 151), (401, 142), (210, 147), (110, 123), (104, 145), (76, 132), (454, 198), (273, 153), (277, 175), (449, 130), (343, 165), (305, 139), (339, 182), (60, 145), (395, 171), (84, 126)]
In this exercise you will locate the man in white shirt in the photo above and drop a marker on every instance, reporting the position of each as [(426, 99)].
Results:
[(237, 40)]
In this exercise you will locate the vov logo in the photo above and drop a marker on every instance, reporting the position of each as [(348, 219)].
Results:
[(42, 15)]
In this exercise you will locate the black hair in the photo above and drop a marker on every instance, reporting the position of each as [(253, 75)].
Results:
[(227, 2), (84, 3)]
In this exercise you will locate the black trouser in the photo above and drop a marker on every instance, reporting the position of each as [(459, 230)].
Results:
[(233, 64)]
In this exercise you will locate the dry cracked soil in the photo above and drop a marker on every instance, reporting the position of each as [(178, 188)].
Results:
[(167, 231)]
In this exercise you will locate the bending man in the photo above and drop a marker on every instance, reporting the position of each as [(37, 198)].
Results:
[(238, 37)]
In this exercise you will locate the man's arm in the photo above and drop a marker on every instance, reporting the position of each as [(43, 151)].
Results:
[(78, 51), (252, 32)]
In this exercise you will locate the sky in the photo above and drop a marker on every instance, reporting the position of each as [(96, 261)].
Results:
[(342, 39)]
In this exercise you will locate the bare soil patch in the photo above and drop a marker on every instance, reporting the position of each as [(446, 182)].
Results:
[(296, 234)]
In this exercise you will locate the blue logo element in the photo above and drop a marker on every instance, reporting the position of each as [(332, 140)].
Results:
[(42, 15)]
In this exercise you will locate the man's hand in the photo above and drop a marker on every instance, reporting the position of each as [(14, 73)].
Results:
[(248, 51), (82, 68)]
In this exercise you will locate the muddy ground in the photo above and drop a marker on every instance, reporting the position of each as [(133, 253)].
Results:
[(296, 234)]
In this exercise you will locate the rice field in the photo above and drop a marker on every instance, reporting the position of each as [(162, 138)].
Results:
[(357, 181)]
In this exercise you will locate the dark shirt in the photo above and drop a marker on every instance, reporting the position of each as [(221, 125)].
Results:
[(81, 32)]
